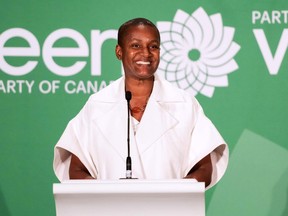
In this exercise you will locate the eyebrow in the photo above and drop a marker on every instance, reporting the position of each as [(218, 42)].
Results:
[(157, 41)]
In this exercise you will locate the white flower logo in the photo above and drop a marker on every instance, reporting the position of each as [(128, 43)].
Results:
[(197, 51)]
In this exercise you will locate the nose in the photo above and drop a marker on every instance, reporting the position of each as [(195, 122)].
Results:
[(146, 51)]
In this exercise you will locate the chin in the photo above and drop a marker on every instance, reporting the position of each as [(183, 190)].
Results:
[(146, 76)]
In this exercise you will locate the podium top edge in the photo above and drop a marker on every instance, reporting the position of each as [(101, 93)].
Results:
[(129, 186), (125, 181)]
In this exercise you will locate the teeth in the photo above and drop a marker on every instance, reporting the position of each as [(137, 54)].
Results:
[(143, 62)]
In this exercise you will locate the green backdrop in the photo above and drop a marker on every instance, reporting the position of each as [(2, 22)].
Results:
[(44, 82)]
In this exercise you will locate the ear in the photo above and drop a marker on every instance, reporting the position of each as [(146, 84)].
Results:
[(118, 52)]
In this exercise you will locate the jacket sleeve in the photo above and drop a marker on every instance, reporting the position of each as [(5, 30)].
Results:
[(206, 139)]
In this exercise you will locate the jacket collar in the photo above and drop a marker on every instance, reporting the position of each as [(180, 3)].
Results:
[(155, 122)]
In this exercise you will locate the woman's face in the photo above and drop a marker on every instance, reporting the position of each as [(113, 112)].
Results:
[(140, 52)]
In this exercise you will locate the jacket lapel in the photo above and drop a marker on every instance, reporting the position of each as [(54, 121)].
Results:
[(154, 123), (157, 120), (113, 122)]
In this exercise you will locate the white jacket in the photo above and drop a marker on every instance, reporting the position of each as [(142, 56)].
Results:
[(174, 134)]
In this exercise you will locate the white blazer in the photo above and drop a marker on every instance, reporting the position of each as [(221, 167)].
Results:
[(173, 135)]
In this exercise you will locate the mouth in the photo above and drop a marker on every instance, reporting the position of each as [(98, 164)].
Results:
[(143, 63)]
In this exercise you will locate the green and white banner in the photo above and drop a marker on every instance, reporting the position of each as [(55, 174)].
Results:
[(232, 55)]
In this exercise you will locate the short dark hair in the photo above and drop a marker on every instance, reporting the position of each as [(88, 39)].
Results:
[(131, 23)]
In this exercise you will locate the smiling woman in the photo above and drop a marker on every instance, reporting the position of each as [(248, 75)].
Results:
[(140, 51), (172, 139)]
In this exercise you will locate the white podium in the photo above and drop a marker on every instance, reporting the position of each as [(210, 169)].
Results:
[(129, 198)]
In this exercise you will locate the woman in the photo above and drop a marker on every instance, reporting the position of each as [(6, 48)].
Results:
[(172, 138)]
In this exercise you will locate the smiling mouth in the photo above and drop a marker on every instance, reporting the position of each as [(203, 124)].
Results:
[(143, 62)]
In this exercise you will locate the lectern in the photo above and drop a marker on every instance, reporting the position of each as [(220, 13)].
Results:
[(129, 197)]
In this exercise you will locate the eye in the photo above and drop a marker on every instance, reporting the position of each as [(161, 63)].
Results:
[(135, 45), (154, 47)]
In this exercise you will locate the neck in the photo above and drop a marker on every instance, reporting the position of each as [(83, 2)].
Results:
[(141, 90), (139, 87)]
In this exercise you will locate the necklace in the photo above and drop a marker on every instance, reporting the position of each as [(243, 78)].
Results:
[(138, 109)]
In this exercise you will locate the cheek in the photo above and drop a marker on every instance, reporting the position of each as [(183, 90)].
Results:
[(129, 56), (156, 55)]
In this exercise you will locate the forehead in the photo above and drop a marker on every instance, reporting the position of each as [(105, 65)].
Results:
[(141, 32)]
